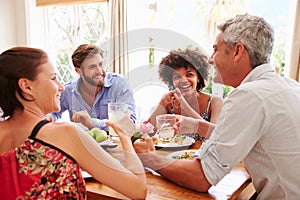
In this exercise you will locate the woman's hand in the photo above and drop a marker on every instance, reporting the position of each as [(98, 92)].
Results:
[(167, 99), (179, 99), (185, 106), (124, 131)]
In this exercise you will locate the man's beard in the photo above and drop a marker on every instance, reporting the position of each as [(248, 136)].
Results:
[(91, 81), (100, 83)]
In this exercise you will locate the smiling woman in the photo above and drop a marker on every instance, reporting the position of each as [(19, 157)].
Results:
[(29, 90), (186, 72)]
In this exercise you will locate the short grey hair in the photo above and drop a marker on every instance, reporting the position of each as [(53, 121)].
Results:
[(254, 33)]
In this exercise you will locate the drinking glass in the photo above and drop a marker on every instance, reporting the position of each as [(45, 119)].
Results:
[(165, 125), (117, 113)]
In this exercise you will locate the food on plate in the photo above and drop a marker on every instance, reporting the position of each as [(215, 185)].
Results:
[(179, 138), (98, 134), (190, 155), (154, 139)]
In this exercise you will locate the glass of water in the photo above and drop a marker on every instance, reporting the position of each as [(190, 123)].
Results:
[(117, 113), (165, 129)]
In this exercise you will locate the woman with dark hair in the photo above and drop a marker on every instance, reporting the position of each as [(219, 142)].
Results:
[(186, 72), (43, 159)]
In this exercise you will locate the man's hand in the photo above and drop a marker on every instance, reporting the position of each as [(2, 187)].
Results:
[(145, 149), (49, 118), (83, 117), (144, 145), (186, 125)]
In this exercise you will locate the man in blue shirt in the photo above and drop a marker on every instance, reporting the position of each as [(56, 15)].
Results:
[(87, 98)]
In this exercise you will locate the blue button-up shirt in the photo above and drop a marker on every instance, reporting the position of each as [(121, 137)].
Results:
[(116, 89)]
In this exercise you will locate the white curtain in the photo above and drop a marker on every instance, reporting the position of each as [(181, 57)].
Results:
[(119, 38), (293, 51)]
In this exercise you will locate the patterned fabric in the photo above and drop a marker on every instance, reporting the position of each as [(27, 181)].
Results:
[(40, 171), (205, 115), (196, 136)]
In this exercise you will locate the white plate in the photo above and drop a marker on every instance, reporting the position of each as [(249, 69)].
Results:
[(180, 154), (109, 143), (188, 141)]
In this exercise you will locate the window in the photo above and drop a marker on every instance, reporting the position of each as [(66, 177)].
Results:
[(181, 23), (159, 26), (154, 27), (66, 27)]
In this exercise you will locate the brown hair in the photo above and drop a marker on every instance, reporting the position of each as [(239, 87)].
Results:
[(189, 57), (16, 63), (83, 51)]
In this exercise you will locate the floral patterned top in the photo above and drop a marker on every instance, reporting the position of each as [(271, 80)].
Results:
[(37, 170)]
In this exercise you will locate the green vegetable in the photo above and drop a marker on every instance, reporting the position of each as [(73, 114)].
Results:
[(179, 138), (136, 135), (98, 134)]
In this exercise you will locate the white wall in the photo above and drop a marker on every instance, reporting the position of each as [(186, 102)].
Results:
[(12, 23)]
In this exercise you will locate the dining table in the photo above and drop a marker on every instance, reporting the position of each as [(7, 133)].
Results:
[(235, 185)]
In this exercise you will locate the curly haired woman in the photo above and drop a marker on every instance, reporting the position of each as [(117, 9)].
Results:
[(185, 72)]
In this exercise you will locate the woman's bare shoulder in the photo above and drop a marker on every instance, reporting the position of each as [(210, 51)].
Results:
[(61, 131), (216, 99), (61, 126), (216, 103), (65, 136)]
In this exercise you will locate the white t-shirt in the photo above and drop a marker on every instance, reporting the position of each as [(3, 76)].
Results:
[(259, 125)]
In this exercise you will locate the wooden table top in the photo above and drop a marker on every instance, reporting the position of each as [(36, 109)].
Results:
[(160, 188)]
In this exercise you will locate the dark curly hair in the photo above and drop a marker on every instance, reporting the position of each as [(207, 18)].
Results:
[(190, 57)]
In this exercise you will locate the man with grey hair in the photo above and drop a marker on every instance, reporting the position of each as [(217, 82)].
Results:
[(259, 123)]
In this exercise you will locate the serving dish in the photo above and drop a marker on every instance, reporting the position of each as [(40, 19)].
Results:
[(185, 143), (184, 154), (109, 143)]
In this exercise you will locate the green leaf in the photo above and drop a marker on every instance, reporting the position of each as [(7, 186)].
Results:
[(136, 135)]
